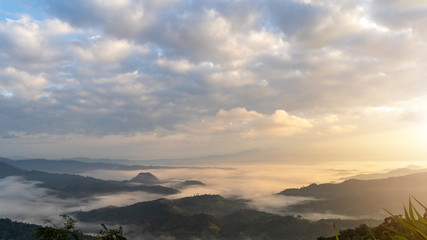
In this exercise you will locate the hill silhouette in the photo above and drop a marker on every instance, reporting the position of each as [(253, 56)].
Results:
[(359, 198), (145, 178), (72, 166), (68, 185), (410, 169)]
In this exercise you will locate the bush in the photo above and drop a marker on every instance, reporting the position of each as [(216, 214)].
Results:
[(69, 232)]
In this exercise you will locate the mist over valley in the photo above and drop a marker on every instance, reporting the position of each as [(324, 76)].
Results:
[(166, 200)]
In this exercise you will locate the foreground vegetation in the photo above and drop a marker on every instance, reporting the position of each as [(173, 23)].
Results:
[(411, 226), (69, 232), (213, 217)]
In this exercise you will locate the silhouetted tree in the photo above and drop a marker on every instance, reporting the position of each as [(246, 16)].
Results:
[(69, 232)]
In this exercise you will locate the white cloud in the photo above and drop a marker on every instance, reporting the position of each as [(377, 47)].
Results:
[(57, 27), (177, 66), (99, 51), (22, 85), (246, 123), (22, 41), (136, 67)]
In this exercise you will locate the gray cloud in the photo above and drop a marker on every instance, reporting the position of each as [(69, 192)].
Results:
[(134, 66)]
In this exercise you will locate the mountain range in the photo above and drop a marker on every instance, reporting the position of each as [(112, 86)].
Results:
[(68, 185), (390, 173), (73, 166)]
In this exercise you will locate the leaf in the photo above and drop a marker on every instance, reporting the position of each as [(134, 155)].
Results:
[(335, 230)]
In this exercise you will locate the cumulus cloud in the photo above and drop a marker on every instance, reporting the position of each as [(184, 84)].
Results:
[(103, 51), (23, 41), (400, 15), (134, 67), (22, 84), (248, 124)]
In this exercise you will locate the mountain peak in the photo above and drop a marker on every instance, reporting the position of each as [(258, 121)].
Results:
[(146, 178)]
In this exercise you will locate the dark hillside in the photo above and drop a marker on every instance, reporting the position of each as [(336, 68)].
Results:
[(212, 217), (360, 197), (16, 230), (67, 185)]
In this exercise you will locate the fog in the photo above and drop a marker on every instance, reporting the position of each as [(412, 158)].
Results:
[(23, 201)]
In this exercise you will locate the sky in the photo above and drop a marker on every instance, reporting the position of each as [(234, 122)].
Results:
[(288, 81)]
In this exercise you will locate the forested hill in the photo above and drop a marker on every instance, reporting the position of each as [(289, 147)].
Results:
[(360, 197), (212, 217), (67, 185), (17, 230)]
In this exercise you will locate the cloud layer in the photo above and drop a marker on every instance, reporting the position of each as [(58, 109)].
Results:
[(236, 69)]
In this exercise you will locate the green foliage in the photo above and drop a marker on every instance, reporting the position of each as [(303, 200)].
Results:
[(69, 232), (110, 234), (411, 226), (66, 232)]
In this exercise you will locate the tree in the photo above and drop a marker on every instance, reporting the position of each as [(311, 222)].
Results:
[(110, 234), (69, 232)]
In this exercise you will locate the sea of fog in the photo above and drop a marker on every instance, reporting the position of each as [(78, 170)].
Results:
[(22, 201)]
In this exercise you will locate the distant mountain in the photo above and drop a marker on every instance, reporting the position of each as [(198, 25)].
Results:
[(212, 217), (82, 165), (67, 185), (360, 197), (392, 173), (100, 160), (145, 178), (191, 183), (72, 166)]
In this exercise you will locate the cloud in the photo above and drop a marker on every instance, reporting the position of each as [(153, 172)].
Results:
[(400, 15), (17, 195), (136, 67), (123, 18), (23, 41), (248, 124), (343, 128), (104, 50), (22, 84)]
